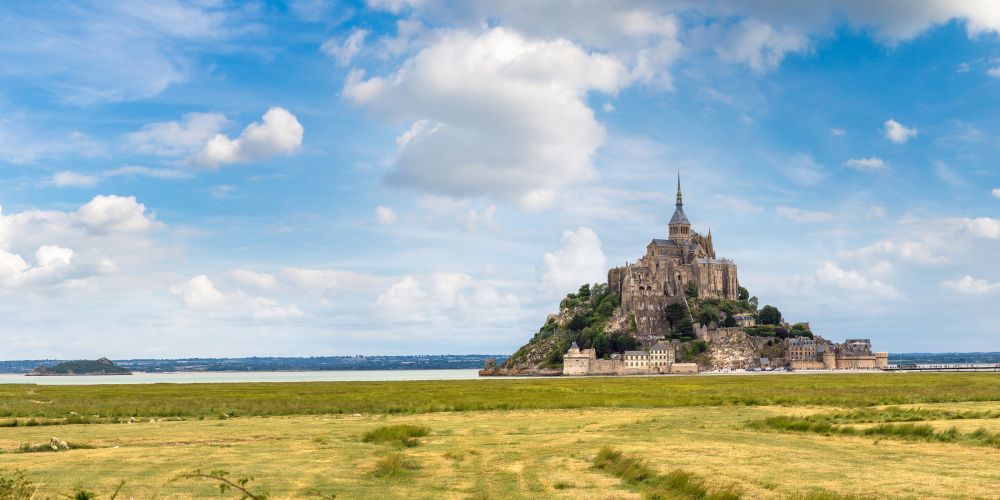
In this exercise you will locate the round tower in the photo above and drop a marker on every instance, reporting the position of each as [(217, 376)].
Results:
[(680, 227)]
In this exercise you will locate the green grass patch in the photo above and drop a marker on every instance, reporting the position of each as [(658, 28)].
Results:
[(317, 398), (402, 435), (677, 483)]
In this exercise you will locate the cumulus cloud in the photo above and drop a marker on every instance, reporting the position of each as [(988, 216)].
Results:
[(444, 296), (344, 52), (279, 133), (104, 214), (385, 215), (830, 273), (971, 286), (759, 45), (867, 164), (996, 193), (897, 132), (493, 113), (177, 138), (579, 259), (199, 294), (798, 215)]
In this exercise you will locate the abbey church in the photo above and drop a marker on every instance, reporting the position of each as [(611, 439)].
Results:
[(659, 278)]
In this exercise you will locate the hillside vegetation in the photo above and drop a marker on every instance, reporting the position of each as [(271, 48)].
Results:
[(587, 317)]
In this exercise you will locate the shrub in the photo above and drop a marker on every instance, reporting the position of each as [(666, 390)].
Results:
[(402, 435), (393, 466), (16, 487)]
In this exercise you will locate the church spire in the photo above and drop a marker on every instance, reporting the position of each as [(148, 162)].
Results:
[(680, 201)]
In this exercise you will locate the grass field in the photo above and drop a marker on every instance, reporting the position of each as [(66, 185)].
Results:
[(675, 437)]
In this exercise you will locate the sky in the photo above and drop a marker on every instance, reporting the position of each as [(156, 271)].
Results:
[(319, 177)]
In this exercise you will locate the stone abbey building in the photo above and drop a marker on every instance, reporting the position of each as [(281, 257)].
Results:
[(658, 279)]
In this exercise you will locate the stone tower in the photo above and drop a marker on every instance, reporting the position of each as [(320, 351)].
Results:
[(680, 226)]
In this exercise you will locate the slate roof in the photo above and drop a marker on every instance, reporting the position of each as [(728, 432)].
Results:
[(643, 354), (662, 345), (679, 217)]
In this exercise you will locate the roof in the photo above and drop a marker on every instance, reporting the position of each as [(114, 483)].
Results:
[(574, 346), (665, 243), (679, 217), (662, 345), (637, 353)]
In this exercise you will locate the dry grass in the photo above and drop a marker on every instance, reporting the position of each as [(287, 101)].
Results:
[(512, 454)]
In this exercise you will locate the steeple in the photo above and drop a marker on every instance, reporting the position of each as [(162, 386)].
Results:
[(680, 200), (680, 227)]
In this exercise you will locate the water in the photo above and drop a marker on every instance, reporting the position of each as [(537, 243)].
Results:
[(230, 377)]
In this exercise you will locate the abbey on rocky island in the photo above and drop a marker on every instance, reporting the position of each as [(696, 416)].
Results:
[(659, 278)]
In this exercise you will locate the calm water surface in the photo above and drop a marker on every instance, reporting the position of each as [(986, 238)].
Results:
[(217, 377)]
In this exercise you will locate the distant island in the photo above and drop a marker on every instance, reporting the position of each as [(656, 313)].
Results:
[(103, 366), (312, 363)]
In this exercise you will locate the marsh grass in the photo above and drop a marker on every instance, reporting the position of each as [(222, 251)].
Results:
[(46, 447), (677, 483), (839, 424), (401, 435), (409, 397), (394, 466)]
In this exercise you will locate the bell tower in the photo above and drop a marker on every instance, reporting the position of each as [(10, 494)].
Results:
[(680, 227)]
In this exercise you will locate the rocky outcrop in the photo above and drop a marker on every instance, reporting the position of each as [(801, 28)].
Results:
[(732, 350)]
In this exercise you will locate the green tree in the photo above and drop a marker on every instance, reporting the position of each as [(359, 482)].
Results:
[(584, 292), (769, 315), (708, 314), (744, 294), (730, 320), (691, 290)]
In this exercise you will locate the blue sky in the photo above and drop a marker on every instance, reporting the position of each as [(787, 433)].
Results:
[(414, 176)]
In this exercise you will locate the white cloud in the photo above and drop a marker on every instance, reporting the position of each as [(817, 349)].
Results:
[(279, 133), (175, 138), (994, 72), (805, 216), (199, 294), (867, 164), (897, 132), (838, 132), (493, 114), (983, 227), (344, 52), (78, 179), (832, 274), (104, 214), (907, 250), (579, 259), (996, 193), (759, 45), (445, 297), (385, 215), (72, 179), (971, 286)]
